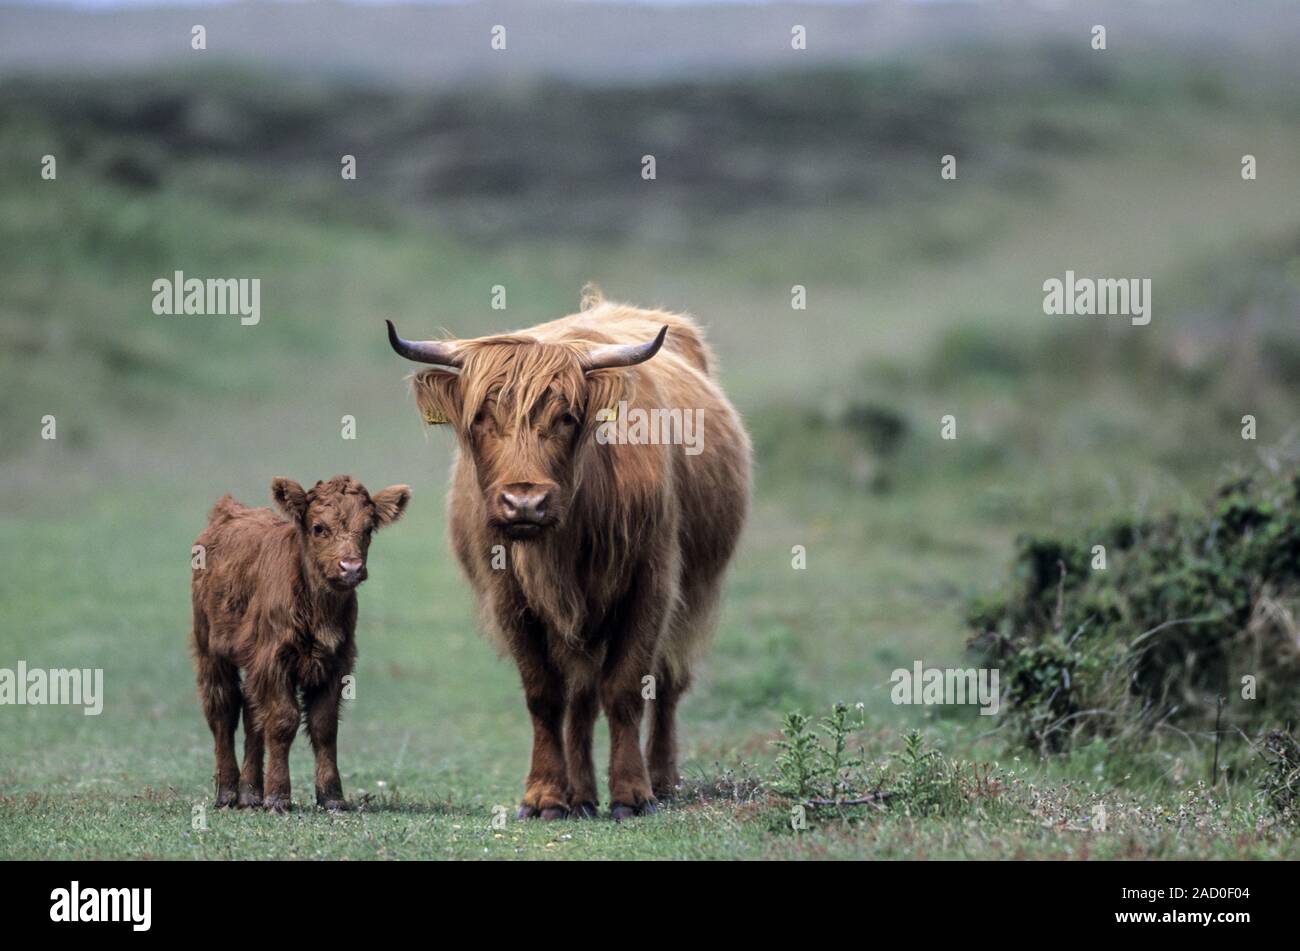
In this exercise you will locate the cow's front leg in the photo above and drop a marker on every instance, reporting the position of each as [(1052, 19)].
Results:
[(323, 728), (546, 791), (630, 658)]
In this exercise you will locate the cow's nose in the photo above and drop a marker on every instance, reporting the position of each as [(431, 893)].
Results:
[(350, 567), (524, 502)]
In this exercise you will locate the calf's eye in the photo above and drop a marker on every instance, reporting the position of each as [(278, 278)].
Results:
[(318, 529)]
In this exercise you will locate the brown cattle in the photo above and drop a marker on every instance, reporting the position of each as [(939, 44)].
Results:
[(597, 562), (277, 599)]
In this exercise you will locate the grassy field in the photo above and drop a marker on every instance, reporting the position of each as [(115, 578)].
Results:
[(924, 299)]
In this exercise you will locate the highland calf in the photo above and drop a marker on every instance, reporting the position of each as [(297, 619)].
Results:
[(276, 597), (597, 562)]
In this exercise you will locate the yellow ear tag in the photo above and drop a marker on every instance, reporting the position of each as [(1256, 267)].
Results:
[(434, 419), (613, 411)]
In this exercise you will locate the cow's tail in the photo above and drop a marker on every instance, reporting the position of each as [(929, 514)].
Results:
[(688, 339), (590, 297)]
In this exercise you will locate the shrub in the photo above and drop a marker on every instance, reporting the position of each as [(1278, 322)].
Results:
[(1186, 607), (1279, 780), (826, 768)]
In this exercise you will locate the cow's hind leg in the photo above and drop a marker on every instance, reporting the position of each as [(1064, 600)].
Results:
[(222, 699), (250, 777), (630, 657), (693, 619), (661, 745), (580, 720)]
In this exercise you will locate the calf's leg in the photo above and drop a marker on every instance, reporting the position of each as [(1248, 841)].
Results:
[(276, 712), (323, 728), (250, 776), (221, 696)]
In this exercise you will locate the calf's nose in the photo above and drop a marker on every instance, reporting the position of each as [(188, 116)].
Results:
[(350, 566)]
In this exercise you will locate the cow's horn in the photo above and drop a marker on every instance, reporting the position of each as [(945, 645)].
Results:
[(437, 352), (624, 354)]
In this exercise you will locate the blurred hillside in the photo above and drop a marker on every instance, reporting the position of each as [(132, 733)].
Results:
[(824, 178), (609, 41)]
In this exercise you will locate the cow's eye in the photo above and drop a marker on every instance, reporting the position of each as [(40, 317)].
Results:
[(568, 419), (318, 529)]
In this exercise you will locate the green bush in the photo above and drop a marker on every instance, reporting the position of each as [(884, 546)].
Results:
[(825, 766), (1279, 779), (1186, 609)]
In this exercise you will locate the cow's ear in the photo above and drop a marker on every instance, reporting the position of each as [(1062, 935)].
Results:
[(605, 389), (437, 394), (390, 504), (289, 498)]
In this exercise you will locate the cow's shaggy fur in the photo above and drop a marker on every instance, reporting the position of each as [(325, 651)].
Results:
[(623, 584), (275, 595)]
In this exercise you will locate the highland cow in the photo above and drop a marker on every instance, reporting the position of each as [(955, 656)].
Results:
[(597, 563), (276, 598)]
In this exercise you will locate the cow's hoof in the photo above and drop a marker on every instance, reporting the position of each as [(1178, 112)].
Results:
[(334, 802), (250, 799), (551, 813), (619, 811), (526, 812), (226, 799), (664, 792), (277, 804), (585, 810)]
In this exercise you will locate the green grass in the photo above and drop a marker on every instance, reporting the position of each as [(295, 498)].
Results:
[(922, 302)]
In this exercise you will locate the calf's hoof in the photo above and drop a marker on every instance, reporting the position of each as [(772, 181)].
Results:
[(277, 804), (249, 799), (333, 805), (585, 810), (619, 811), (226, 799)]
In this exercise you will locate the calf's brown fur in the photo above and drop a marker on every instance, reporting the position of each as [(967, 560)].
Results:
[(276, 598), (614, 553)]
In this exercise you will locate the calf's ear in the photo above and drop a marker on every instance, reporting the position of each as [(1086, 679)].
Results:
[(289, 498), (390, 503)]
